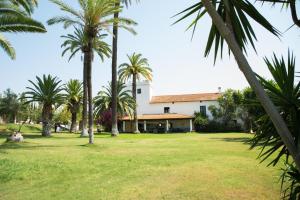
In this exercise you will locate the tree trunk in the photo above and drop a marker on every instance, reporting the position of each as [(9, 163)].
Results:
[(135, 118), (84, 132), (244, 66), (73, 123), (90, 95), (47, 117), (114, 129)]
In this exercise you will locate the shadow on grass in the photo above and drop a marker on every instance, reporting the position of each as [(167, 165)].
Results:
[(24, 145), (244, 140)]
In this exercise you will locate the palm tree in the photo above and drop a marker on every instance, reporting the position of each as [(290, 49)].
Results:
[(114, 130), (92, 18), (47, 92), (15, 17), (78, 43), (136, 68), (284, 92), (224, 19), (125, 102), (74, 95)]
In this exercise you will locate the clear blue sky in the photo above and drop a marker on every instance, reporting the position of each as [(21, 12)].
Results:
[(178, 63)]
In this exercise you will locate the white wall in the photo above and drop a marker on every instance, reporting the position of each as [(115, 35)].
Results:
[(186, 108)]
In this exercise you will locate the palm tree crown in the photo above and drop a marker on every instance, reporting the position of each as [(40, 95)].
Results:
[(125, 102), (78, 42), (15, 17), (236, 15), (137, 66), (46, 90), (73, 94)]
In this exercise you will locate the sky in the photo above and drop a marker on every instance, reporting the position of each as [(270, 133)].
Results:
[(178, 63)]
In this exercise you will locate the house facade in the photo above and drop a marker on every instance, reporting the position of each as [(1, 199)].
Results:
[(167, 113)]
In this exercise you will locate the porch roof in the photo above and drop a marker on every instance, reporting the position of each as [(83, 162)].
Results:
[(159, 117)]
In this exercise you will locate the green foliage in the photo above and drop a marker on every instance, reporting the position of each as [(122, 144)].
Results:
[(125, 102), (62, 115), (93, 16), (47, 91), (291, 178), (237, 15), (73, 96), (79, 41), (137, 66), (284, 92), (10, 105), (15, 17), (226, 112), (200, 120)]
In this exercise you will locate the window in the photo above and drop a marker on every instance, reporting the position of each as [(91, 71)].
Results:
[(166, 109), (203, 110), (139, 91)]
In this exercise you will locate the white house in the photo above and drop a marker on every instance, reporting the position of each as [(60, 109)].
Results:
[(168, 113)]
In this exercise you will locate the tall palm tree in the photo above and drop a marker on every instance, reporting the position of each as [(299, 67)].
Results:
[(78, 43), (15, 17), (93, 17), (73, 96), (47, 92), (137, 68), (115, 131), (125, 102), (224, 19)]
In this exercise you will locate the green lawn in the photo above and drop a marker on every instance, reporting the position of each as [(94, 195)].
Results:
[(178, 166)]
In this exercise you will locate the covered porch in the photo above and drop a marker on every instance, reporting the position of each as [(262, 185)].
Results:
[(159, 123)]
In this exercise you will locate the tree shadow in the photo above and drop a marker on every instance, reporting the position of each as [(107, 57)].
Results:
[(23, 145), (244, 140)]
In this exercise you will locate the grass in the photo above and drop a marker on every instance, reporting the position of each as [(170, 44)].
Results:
[(166, 166)]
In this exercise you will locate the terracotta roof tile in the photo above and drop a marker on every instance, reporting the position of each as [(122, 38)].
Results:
[(159, 117), (185, 98)]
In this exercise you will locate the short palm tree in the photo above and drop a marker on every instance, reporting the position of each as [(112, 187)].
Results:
[(93, 17), (285, 93), (137, 68), (15, 17), (73, 97), (75, 43), (47, 92), (125, 102)]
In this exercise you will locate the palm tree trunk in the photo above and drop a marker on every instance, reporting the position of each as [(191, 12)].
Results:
[(84, 132), (73, 123), (114, 129), (90, 95), (135, 118), (244, 66), (46, 118)]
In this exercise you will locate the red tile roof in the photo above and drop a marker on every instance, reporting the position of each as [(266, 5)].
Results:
[(185, 98), (159, 117)]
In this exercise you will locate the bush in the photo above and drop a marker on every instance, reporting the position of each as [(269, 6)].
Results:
[(213, 126)]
